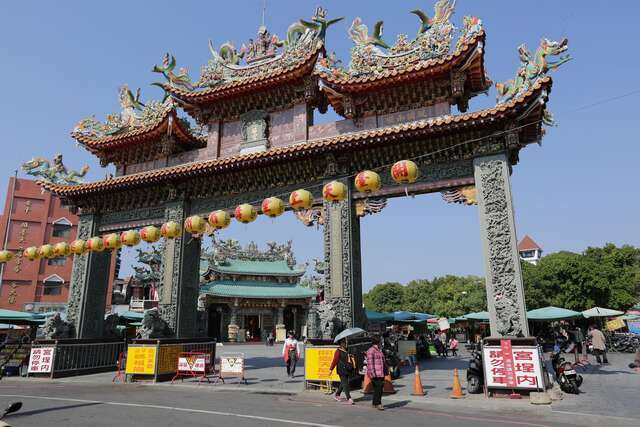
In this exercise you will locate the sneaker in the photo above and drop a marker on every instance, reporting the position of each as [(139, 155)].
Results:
[(380, 408), (349, 402), (337, 398)]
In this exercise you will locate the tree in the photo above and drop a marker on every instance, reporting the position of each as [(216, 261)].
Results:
[(385, 297), (605, 277)]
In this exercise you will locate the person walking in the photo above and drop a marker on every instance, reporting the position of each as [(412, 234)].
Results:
[(291, 353), (346, 367), (375, 371), (599, 343)]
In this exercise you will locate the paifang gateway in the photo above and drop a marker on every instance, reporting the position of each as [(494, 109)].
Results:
[(251, 135)]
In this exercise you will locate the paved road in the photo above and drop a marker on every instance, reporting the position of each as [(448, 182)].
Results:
[(81, 404)]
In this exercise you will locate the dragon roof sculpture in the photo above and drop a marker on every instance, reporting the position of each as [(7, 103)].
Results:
[(371, 55), (134, 116), (56, 173), (261, 56)]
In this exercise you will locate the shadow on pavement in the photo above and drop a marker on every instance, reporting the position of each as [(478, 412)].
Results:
[(55, 408)]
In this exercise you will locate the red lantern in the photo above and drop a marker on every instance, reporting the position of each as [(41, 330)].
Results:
[(219, 219), (78, 247), (46, 251), (95, 244), (150, 234), (130, 238), (31, 253), (404, 172), (112, 241), (367, 182), (272, 207), (300, 199), (195, 224), (170, 230), (5, 256), (62, 249), (334, 191), (245, 213)]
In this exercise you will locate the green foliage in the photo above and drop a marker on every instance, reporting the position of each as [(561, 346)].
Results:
[(444, 296), (386, 297), (604, 277)]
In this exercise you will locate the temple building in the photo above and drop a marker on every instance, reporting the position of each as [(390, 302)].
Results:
[(250, 293)]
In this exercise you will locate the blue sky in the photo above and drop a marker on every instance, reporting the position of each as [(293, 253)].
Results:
[(62, 61)]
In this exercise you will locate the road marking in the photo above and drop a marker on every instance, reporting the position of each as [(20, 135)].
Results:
[(199, 411)]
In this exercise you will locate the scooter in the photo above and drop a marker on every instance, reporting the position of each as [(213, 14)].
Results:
[(475, 373), (569, 380)]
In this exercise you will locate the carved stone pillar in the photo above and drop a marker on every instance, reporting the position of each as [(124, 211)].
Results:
[(343, 277), (89, 284), (180, 278), (505, 291)]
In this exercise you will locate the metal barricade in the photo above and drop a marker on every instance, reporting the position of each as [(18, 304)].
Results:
[(78, 357)]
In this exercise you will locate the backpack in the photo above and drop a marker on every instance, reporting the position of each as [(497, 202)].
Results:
[(293, 353)]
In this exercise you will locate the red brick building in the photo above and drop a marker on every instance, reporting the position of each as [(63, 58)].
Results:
[(33, 219)]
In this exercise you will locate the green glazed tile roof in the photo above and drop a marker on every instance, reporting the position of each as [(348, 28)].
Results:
[(272, 268), (254, 289)]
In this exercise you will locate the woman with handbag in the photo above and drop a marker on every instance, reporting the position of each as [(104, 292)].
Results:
[(346, 367)]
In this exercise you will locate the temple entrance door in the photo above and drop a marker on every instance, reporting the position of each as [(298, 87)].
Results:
[(289, 323), (252, 325), (215, 323)]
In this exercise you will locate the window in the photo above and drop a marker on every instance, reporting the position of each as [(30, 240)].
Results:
[(61, 229), (59, 262), (528, 254), (52, 288), (52, 285)]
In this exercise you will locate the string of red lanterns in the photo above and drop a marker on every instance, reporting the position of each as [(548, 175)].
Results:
[(402, 172)]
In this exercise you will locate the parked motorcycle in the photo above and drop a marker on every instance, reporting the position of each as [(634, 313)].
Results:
[(475, 372), (566, 375)]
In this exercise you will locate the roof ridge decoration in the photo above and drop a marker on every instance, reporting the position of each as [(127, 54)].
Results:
[(225, 250), (432, 41), (134, 115), (260, 55), (57, 174), (533, 68)]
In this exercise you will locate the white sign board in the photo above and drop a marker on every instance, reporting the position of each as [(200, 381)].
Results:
[(509, 367), (193, 363), (41, 360), (232, 365)]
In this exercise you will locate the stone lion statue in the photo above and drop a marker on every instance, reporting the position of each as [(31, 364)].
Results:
[(153, 326), (55, 328)]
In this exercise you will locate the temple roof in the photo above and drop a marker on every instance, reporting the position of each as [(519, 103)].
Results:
[(267, 268), (137, 123), (254, 289), (469, 53), (534, 96)]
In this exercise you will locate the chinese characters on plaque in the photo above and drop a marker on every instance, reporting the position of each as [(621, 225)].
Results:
[(512, 367), (41, 360)]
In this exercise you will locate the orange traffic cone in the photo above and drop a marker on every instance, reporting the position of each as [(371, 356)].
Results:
[(417, 383), (367, 387), (456, 392), (388, 385)]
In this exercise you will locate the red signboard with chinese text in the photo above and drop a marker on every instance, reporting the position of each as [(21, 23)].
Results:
[(511, 367), (41, 360)]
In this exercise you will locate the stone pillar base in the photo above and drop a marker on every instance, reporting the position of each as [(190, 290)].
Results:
[(281, 333), (232, 331)]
